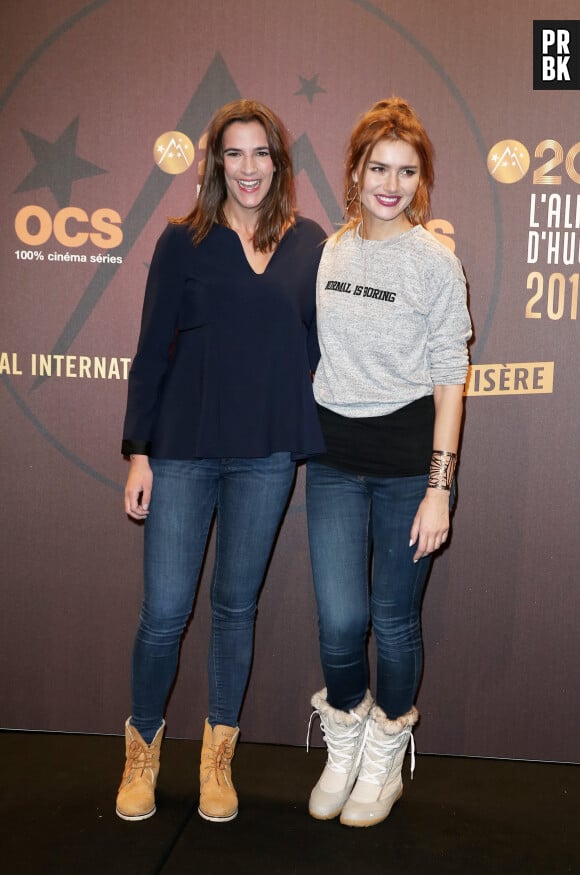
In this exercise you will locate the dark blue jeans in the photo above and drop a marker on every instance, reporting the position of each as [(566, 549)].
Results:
[(249, 497), (357, 524)]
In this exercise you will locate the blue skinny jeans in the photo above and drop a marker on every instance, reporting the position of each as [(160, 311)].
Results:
[(359, 531), (249, 497)]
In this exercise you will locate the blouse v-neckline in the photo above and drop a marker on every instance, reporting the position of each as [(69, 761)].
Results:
[(273, 255)]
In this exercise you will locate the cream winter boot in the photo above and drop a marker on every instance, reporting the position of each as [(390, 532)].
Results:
[(344, 734), (218, 800), (379, 784), (136, 795)]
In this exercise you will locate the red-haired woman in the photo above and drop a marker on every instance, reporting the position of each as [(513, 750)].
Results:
[(219, 408), (393, 329)]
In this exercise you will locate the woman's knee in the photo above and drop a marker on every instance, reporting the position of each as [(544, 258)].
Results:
[(233, 616), (343, 632), (161, 626)]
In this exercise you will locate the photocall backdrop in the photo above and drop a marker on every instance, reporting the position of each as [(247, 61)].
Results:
[(103, 108)]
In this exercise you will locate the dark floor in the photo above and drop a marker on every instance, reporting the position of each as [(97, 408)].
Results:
[(458, 815)]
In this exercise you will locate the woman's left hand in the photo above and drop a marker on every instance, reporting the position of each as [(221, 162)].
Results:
[(431, 524)]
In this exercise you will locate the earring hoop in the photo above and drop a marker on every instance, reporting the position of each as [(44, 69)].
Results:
[(351, 196)]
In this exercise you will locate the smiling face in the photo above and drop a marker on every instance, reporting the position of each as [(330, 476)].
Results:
[(387, 188), (248, 167)]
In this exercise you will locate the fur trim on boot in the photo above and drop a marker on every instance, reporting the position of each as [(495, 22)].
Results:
[(136, 795), (344, 734), (379, 784), (218, 800)]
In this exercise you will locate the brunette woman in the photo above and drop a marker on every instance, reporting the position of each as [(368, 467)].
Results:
[(219, 409)]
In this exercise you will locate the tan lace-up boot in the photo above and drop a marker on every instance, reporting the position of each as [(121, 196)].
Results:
[(136, 796), (218, 800)]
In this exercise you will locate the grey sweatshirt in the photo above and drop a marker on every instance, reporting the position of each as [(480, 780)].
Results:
[(392, 322)]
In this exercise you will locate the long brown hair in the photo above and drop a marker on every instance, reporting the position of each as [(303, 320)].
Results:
[(277, 210), (392, 119)]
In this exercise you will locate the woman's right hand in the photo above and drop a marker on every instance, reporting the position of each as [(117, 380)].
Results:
[(138, 488)]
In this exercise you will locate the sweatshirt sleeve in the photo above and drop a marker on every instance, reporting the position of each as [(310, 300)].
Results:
[(449, 322), (163, 294)]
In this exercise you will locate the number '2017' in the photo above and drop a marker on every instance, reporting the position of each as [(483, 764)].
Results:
[(556, 295), (541, 174)]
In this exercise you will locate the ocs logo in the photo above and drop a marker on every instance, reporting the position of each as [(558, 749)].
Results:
[(508, 161), (71, 226)]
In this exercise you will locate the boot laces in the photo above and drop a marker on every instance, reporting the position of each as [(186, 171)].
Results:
[(340, 744), (220, 759), (380, 752), (139, 757)]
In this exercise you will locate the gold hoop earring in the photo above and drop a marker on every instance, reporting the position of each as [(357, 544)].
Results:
[(351, 196)]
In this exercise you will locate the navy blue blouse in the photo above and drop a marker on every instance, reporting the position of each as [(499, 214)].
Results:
[(224, 361)]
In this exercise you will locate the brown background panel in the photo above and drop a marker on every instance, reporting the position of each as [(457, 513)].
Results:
[(501, 609)]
